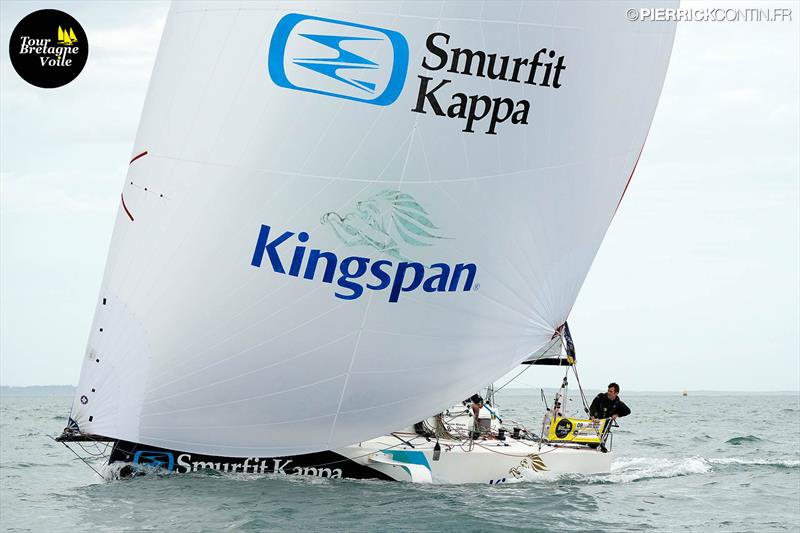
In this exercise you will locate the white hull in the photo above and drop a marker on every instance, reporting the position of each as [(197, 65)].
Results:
[(466, 454), (485, 461)]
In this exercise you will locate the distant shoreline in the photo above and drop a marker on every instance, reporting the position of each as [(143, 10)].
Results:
[(37, 390), (69, 390)]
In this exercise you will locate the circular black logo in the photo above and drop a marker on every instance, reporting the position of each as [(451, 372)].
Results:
[(563, 428), (48, 48)]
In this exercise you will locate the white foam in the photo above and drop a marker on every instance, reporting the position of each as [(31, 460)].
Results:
[(112, 471), (628, 469), (789, 463)]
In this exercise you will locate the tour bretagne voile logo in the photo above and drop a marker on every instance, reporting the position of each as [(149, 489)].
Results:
[(48, 48)]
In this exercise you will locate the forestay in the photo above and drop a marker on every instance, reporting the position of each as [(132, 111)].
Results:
[(340, 217)]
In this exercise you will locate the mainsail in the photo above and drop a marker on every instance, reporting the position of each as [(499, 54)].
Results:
[(340, 216)]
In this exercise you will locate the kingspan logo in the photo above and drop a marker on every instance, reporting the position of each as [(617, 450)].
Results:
[(338, 58), (354, 273)]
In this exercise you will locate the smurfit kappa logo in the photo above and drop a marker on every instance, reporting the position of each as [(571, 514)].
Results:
[(154, 459), (338, 58)]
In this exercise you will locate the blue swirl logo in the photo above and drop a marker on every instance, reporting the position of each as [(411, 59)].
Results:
[(338, 58)]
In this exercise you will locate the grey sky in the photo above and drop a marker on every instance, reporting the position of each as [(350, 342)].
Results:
[(697, 285)]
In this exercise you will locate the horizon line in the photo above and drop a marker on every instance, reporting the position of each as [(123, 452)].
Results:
[(529, 388)]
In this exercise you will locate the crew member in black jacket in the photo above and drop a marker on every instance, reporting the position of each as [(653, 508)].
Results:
[(608, 404)]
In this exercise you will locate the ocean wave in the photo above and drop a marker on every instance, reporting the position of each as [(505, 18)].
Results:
[(121, 470), (738, 441), (14, 466), (630, 469), (785, 463), (652, 443)]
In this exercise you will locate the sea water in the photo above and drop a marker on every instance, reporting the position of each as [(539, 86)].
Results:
[(706, 461)]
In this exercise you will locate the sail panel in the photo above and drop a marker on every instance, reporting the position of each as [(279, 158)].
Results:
[(552, 351), (301, 260)]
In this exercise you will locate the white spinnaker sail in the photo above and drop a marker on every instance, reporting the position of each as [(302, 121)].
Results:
[(298, 117), (553, 349)]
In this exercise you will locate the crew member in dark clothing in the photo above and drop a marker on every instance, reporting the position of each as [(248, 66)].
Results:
[(476, 402), (608, 404)]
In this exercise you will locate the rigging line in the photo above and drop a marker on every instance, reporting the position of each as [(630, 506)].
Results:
[(99, 453), (356, 457), (488, 449), (580, 388), (515, 377), (407, 442), (81, 458)]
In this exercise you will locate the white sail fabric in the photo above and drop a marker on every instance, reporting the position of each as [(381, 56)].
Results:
[(300, 118), (553, 349)]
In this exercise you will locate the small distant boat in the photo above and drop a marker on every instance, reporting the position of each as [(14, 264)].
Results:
[(685, 393)]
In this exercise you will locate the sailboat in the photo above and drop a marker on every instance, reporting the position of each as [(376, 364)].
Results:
[(471, 442), (339, 219), (66, 37)]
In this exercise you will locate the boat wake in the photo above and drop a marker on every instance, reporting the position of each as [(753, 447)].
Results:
[(781, 463), (630, 469)]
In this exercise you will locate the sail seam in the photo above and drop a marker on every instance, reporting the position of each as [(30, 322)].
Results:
[(259, 397)]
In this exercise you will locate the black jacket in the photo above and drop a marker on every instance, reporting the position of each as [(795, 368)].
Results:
[(602, 407)]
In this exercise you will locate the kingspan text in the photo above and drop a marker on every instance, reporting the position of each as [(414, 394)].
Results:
[(355, 273)]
